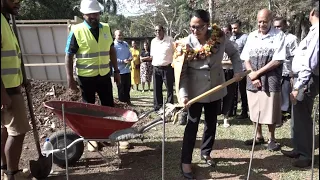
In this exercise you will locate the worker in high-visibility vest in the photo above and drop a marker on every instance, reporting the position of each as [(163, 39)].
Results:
[(14, 121), (92, 44)]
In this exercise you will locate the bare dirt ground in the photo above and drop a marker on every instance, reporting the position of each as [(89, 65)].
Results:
[(143, 162)]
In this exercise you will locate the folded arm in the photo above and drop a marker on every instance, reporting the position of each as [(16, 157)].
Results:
[(234, 56)]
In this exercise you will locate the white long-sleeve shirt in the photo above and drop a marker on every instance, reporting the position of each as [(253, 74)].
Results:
[(306, 61)]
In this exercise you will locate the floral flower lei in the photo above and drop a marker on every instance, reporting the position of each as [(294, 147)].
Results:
[(211, 46)]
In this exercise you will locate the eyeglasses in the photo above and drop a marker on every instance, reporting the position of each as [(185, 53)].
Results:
[(198, 28)]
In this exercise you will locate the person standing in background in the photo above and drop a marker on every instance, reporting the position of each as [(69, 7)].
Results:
[(240, 39), (162, 50), (146, 66), (305, 68), (291, 42), (124, 59), (92, 44), (228, 100), (264, 54), (135, 65)]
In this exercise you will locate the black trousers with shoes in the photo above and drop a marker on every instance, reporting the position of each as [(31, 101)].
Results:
[(190, 134), (162, 74), (124, 88), (301, 121), (243, 94), (99, 84)]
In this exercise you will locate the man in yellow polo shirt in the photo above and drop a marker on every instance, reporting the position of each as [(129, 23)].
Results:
[(14, 121), (92, 44)]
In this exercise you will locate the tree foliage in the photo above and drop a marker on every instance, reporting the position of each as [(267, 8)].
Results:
[(48, 9), (295, 11), (117, 22), (110, 6), (173, 14)]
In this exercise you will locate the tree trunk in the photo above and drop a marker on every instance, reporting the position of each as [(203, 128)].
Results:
[(211, 10), (270, 6), (297, 28)]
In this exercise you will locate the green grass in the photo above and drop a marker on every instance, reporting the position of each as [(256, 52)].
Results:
[(232, 155)]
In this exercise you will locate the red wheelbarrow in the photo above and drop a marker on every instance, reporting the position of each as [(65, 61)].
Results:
[(91, 122)]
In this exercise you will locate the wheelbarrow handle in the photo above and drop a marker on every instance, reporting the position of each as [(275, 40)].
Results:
[(151, 123), (29, 97), (145, 114)]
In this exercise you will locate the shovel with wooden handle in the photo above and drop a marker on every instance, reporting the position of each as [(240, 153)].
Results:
[(41, 168), (209, 92)]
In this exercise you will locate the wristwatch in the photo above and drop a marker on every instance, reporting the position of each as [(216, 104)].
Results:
[(116, 71)]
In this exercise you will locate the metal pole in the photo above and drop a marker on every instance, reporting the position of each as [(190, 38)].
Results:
[(163, 137), (65, 143), (313, 139), (254, 142)]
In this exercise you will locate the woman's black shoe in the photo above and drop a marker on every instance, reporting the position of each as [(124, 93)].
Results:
[(187, 175), (208, 160)]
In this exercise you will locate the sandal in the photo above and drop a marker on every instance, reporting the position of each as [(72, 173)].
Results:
[(259, 141)]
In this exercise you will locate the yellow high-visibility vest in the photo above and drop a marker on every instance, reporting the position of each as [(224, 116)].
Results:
[(11, 74), (92, 57)]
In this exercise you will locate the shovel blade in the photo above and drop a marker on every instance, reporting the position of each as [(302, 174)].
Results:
[(41, 168)]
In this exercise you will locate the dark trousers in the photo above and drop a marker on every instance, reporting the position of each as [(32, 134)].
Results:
[(228, 100), (243, 94), (285, 93), (162, 74), (301, 122), (99, 84), (124, 88), (235, 101), (209, 133)]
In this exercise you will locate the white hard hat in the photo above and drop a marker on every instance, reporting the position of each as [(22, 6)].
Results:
[(90, 6)]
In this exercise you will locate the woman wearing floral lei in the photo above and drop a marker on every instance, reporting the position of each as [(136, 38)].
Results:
[(202, 70)]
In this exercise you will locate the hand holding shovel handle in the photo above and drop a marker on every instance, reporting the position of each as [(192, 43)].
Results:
[(211, 91)]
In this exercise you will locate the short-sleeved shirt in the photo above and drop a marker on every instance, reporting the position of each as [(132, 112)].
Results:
[(226, 58), (144, 53), (260, 50), (72, 44), (291, 42), (240, 40), (162, 51)]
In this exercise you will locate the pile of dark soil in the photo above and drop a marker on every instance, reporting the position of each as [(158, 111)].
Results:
[(43, 91)]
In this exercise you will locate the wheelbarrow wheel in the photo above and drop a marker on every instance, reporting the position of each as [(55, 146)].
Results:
[(74, 152)]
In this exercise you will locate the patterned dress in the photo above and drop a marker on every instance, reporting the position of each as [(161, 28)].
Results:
[(135, 66), (145, 68)]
